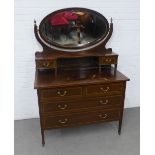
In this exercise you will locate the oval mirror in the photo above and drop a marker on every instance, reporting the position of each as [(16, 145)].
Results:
[(73, 28)]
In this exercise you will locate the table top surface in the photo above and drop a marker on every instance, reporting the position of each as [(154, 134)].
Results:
[(76, 77), (57, 55)]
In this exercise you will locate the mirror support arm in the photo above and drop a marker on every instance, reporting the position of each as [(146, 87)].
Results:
[(109, 33), (36, 32)]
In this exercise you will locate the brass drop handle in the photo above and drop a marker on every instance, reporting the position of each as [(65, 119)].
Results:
[(62, 107), (63, 121), (105, 90), (94, 76), (46, 64), (108, 60), (106, 101), (62, 94), (103, 116)]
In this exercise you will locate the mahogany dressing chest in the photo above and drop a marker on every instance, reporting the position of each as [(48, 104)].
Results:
[(76, 77)]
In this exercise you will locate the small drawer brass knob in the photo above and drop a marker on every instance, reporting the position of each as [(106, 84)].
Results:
[(63, 121), (103, 116), (104, 90), (62, 107), (62, 93), (108, 60), (102, 102), (46, 64)]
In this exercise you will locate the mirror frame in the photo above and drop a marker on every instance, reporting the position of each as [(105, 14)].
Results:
[(101, 41)]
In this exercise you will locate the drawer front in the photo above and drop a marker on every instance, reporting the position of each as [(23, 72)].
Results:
[(108, 60), (46, 64), (60, 93), (106, 89), (102, 102), (81, 118)]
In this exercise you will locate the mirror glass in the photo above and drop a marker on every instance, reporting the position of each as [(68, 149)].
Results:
[(73, 28)]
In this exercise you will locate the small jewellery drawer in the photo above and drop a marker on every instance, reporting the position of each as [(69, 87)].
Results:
[(76, 105), (60, 93), (108, 60), (105, 89), (46, 64), (80, 118)]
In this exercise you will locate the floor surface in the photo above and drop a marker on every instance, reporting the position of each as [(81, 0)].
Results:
[(98, 139)]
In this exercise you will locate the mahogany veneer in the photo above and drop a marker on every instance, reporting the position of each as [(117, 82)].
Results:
[(78, 84), (65, 101)]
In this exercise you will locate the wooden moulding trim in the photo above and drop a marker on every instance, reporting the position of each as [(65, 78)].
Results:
[(73, 84)]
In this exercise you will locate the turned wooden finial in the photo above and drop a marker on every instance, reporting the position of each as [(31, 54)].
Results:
[(34, 21), (111, 20)]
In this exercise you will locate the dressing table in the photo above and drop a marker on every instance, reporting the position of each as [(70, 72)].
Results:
[(76, 77)]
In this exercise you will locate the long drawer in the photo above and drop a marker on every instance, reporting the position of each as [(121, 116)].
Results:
[(100, 102), (105, 89), (80, 118), (75, 92), (60, 93)]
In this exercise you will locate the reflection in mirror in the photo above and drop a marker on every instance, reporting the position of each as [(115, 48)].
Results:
[(74, 28)]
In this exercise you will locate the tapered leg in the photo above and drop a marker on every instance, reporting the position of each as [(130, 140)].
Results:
[(43, 140), (122, 110), (119, 126)]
